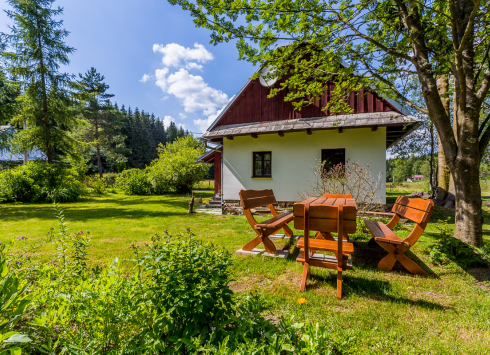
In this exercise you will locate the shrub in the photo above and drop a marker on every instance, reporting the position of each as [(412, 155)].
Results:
[(13, 302), (134, 182), (110, 178), (176, 166), (447, 249), (36, 181), (96, 184)]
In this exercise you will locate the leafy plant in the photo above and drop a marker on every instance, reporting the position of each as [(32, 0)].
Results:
[(447, 249), (96, 184), (134, 182), (13, 302), (176, 166)]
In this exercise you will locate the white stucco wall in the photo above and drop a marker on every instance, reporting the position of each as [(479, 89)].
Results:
[(294, 156)]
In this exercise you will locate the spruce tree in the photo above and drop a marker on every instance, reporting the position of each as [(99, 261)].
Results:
[(105, 122), (171, 133), (37, 40)]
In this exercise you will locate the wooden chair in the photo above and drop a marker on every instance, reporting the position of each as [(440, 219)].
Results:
[(258, 198), (328, 236), (417, 210), (341, 219)]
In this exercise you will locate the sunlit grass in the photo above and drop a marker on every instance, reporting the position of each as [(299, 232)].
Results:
[(394, 312)]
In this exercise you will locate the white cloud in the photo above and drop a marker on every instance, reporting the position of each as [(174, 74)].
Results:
[(191, 66), (204, 123), (192, 90), (182, 115), (168, 119), (174, 54), (160, 75), (145, 78)]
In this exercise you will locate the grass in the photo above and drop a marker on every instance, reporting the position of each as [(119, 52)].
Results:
[(204, 185), (447, 312)]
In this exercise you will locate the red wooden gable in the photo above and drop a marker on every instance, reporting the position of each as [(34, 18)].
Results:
[(252, 105)]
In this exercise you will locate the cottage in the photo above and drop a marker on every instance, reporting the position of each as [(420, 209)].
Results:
[(417, 177), (264, 143)]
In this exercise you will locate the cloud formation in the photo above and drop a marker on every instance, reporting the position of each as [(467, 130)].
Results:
[(169, 119), (174, 54), (194, 94)]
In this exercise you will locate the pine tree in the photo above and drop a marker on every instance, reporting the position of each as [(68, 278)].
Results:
[(37, 40), (171, 133), (104, 131)]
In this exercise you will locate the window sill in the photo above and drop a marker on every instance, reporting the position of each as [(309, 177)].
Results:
[(262, 177)]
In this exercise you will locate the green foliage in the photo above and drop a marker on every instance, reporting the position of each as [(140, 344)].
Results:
[(37, 181), (110, 179), (134, 182), (185, 292), (176, 166), (96, 184), (37, 52), (449, 249), (13, 302)]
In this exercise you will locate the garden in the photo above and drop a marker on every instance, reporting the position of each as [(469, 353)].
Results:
[(122, 274)]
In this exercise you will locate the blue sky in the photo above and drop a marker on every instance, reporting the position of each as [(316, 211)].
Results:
[(153, 58)]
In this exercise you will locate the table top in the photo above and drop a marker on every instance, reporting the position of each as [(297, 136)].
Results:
[(298, 208)]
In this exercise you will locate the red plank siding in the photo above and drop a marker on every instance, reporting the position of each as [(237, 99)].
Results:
[(252, 105)]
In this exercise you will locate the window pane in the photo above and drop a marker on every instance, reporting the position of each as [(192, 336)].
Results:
[(267, 156), (258, 172), (267, 171)]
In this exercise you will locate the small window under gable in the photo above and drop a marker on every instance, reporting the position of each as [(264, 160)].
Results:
[(262, 164), (332, 157)]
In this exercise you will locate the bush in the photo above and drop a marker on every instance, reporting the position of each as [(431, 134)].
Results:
[(37, 181), (449, 249), (176, 166), (96, 184), (110, 179), (134, 182), (13, 302)]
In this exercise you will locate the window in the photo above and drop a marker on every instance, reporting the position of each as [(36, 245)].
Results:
[(262, 164), (332, 157)]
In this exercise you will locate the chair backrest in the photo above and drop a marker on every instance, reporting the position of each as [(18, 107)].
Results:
[(338, 219), (256, 198), (337, 195), (415, 209)]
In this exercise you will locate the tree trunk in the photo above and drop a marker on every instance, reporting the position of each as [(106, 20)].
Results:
[(99, 161), (442, 168), (468, 216)]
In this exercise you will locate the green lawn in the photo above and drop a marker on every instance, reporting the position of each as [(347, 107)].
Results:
[(381, 312)]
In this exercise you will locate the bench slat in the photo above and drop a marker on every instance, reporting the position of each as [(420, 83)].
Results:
[(417, 203), (378, 230), (326, 245), (413, 214), (258, 202), (246, 194), (327, 261), (275, 222)]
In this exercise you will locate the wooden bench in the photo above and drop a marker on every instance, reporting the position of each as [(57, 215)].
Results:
[(416, 210), (337, 219), (250, 199)]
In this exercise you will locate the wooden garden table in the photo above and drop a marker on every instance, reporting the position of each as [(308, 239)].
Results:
[(298, 211)]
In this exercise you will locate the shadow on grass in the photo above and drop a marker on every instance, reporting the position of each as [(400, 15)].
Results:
[(378, 290)]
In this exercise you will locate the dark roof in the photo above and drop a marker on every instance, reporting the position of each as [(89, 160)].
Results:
[(398, 125)]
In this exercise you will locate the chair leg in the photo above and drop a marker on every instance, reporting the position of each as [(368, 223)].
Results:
[(253, 243), (387, 262), (306, 273), (288, 231), (339, 284), (410, 265), (268, 245)]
